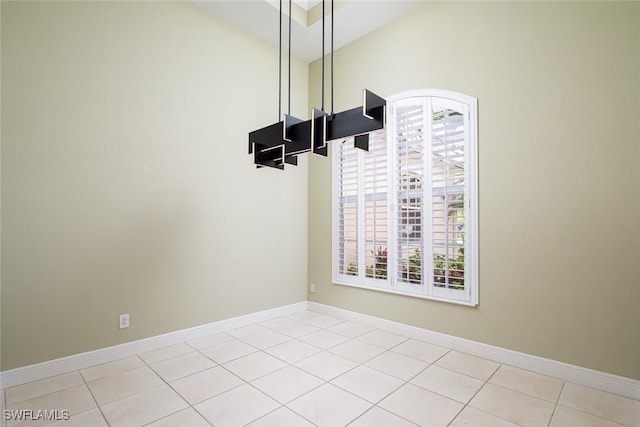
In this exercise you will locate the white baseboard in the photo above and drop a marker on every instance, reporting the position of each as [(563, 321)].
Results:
[(75, 362), (627, 387), (611, 383)]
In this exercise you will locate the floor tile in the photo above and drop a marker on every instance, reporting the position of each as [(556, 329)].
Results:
[(396, 364), (143, 408), (302, 315), (118, 386), (181, 366), (25, 421), (364, 366), (112, 368), (254, 365), (274, 323), (281, 417), (420, 350), (513, 406), (265, 339), (236, 407), (322, 321), (185, 418), (536, 385), (246, 330), (326, 365), (475, 417), (367, 383), (42, 387), (287, 383), (567, 417), (467, 364), (381, 339), (329, 406), (3, 422), (296, 329), (227, 351), (206, 384), (350, 329), (92, 418), (448, 383), (75, 399), (421, 406), (166, 353), (601, 404), (292, 351), (357, 351), (378, 417), (210, 340), (323, 339)]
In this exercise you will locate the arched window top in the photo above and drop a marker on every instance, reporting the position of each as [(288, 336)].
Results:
[(405, 213)]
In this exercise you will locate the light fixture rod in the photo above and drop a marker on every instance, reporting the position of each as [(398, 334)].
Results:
[(331, 58), (289, 110), (282, 142), (323, 19), (280, 65)]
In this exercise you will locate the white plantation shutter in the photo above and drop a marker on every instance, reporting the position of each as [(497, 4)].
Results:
[(409, 133), (376, 221), (406, 211), (448, 177), (347, 195), (362, 210)]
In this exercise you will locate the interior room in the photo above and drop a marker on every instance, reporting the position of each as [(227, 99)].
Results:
[(152, 274)]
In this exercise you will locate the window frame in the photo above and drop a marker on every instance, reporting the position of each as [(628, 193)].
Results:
[(468, 296)]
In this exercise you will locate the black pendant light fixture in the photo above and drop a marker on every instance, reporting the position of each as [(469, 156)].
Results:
[(281, 142)]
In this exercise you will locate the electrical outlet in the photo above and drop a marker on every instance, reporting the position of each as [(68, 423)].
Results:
[(124, 321), (312, 287)]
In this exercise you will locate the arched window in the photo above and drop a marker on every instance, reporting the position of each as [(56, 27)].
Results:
[(405, 212)]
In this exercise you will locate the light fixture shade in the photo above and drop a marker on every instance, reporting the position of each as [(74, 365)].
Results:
[(281, 142)]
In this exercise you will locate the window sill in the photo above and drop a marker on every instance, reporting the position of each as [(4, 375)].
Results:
[(407, 294)]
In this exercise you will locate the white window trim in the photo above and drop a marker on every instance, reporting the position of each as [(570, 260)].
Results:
[(470, 295)]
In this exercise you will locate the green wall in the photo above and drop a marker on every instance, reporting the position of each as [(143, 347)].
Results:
[(126, 187), (559, 100), (126, 184)]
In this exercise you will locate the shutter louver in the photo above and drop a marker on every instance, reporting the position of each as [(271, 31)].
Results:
[(375, 206), (347, 209), (409, 137), (405, 212), (448, 183)]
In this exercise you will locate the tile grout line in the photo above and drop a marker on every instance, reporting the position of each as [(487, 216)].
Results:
[(86, 383), (170, 386), (375, 405), (582, 411), (264, 352), (557, 402), (249, 383), (173, 389), (147, 364), (358, 364), (477, 392), (405, 382), (220, 365), (465, 405), (288, 364)]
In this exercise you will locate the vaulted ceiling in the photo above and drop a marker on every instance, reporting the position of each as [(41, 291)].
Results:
[(352, 20)]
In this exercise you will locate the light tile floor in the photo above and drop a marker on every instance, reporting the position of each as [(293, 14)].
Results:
[(310, 369)]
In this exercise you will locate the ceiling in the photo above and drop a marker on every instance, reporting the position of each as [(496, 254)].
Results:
[(352, 20)]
